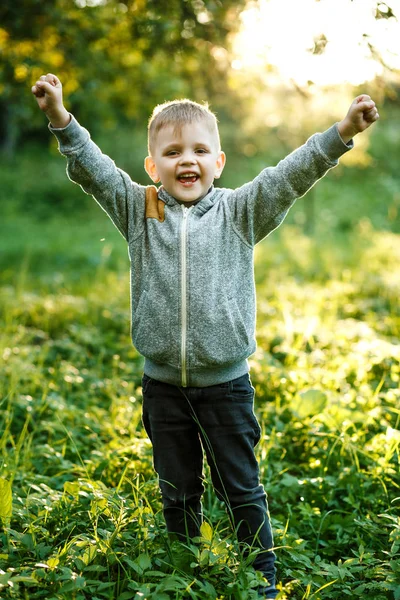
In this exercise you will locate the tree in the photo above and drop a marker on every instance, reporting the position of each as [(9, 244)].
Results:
[(117, 58)]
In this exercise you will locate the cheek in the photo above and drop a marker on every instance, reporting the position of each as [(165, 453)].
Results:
[(167, 169)]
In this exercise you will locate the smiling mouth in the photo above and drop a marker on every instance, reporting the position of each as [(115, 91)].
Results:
[(188, 179)]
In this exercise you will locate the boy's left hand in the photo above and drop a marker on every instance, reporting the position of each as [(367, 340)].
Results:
[(362, 113)]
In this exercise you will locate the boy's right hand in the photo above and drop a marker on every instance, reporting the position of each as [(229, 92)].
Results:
[(48, 93)]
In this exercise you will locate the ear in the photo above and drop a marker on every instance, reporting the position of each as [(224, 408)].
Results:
[(219, 164), (151, 169)]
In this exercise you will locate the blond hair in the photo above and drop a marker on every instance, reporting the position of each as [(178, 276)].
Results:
[(179, 113)]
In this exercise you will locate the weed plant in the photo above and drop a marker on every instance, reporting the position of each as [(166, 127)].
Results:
[(80, 511), (79, 503)]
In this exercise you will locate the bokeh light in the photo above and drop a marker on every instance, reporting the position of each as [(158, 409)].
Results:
[(325, 42)]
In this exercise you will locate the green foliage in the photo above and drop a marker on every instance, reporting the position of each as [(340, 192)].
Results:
[(86, 518), (116, 59), (5, 501)]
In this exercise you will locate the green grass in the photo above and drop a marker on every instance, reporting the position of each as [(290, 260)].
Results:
[(80, 511), (85, 520)]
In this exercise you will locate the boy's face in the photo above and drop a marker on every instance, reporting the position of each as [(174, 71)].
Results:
[(186, 161)]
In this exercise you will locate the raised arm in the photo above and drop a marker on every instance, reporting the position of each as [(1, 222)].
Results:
[(260, 206), (121, 198)]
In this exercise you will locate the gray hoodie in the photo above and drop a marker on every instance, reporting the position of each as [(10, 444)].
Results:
[(192, 282)]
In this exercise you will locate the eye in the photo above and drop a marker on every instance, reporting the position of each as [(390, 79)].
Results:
[(201, 151), (172, 153)]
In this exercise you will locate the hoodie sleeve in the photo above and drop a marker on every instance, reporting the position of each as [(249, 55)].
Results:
[(121, 198), (259, 207)]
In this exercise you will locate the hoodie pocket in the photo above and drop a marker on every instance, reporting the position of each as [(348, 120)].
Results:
[(223, 337), (151, 328)]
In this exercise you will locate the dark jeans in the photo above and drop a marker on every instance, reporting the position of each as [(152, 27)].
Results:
[(181, 423)]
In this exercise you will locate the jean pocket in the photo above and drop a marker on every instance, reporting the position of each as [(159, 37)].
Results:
[(147, 382), (242, 389)]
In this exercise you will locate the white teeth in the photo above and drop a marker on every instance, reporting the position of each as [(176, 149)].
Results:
[(188, 175)]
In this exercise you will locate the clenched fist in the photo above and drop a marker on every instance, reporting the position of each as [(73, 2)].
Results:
[(48, 93)]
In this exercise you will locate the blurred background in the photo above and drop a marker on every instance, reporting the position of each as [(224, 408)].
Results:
[(274, 71), (327, 366)]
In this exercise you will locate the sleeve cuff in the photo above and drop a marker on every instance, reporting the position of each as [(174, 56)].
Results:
[(70, 138), (61, 128), (332, 144)]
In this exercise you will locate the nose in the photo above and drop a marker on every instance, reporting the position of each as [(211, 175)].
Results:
[(187, 158)]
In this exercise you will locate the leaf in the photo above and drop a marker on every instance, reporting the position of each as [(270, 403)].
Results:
[(53, 562), (204, 558), (206, 531), (5, 501), (97, 568), (72, 487), (221, 549), (125, 596), (309, 403), (143, 561), (77, 584), (133, 566), (105, 585), (4, 578), (208, 589)]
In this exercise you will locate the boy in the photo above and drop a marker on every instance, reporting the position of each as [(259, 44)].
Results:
[(193, 297)]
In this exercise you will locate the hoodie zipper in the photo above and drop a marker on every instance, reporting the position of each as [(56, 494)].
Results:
[(184, 294)]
